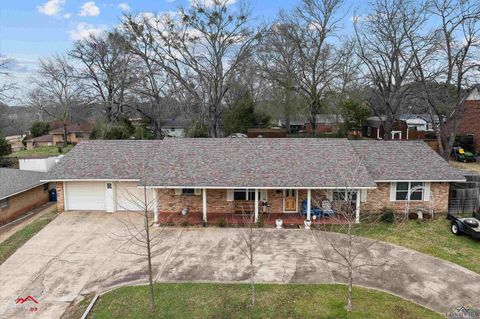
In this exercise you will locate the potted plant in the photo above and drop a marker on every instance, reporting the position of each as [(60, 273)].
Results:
[(307, 223), (279, 223)]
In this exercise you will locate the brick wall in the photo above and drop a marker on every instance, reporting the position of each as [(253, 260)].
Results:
[(217, 202), (380, 197), (469, 122), (22, 203), (60, 198)]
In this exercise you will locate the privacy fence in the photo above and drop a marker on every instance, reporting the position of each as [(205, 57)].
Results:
[(465, 197)]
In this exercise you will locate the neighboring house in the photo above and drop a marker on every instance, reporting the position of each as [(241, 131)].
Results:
[(420, 122), (175, 127), (15, 142), (469, 122), (374, 128), (75, 133), (220, 176), (267, 132), (326, 123), (20, 191)]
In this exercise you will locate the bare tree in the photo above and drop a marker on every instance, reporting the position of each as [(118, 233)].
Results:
[(7, 85), (202, 48), (146, 240), (446, 61), (107, 71), (310, 27), (276, 60), (384, 49), (56, 90), (251, 237)]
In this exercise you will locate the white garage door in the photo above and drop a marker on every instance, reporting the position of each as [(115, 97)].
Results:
[(85, 196), (131, 198)]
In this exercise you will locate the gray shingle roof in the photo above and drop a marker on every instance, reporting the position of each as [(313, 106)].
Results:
[(404, 160), (219, 162), (14, 181)]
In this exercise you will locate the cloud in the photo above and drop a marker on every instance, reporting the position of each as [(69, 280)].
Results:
[(211, 3), (171, 1), (51, 7), (89, 9), (67, 15), (84, 30), (124, 6)]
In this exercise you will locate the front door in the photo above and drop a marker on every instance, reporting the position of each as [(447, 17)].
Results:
[(290, 200), (109, 198)]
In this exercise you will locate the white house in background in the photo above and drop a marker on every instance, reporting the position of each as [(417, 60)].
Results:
[(38, 164), (420, 122), (174, 127)]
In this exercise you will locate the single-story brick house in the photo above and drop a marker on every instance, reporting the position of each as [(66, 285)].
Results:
[(217, 176), (75, 132), (20, 191)]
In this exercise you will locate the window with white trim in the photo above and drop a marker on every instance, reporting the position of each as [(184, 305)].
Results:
[(403, 188), (188, 191), (244, 194), (4, 203)]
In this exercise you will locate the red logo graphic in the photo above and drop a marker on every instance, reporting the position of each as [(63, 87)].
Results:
[(22, 300)]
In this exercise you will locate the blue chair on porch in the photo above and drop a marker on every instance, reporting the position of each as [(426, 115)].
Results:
[(315, 211)]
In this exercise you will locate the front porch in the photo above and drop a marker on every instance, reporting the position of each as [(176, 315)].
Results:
[(240, 206), (236, 220)]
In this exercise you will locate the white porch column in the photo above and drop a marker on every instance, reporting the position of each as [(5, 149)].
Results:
[(256, 205), (155, 207), (309, 204), (204, 195), (357, 206)]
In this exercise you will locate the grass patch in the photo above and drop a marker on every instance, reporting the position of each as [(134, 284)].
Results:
[(11, 244), (42, 151), (75, 311), (473, 167), (195, 300), (432, 237)]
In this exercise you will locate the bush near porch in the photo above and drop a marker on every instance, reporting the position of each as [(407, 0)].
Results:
[(431, 237), (195, 300)]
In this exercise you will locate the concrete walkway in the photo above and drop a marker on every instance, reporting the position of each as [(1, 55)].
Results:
[(79, 253)]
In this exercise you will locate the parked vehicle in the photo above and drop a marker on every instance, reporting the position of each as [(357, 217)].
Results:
[(461, 155), (461, 224)]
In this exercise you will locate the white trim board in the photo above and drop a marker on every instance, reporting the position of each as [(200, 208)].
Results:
[(253, 187), (418, 180)]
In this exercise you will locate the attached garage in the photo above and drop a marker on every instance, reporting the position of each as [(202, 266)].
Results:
[(131, 198), (105, 196), (85, 196)]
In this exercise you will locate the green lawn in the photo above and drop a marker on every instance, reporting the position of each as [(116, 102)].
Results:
[(9, 246), (42, 151), (430, 237), (188, 300)]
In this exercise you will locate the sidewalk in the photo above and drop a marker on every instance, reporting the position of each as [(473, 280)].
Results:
[(12, 227)]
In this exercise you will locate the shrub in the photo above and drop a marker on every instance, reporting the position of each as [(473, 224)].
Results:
[(185, 223), (39, 128), (387, 215), (222, 222)]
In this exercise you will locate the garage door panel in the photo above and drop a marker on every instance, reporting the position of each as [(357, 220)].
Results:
[(85, 196), (131, 198)]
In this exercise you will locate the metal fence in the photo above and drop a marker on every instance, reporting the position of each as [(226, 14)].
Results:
[(465, 197)]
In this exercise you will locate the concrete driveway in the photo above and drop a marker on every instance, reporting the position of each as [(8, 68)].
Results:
[(81, 252)]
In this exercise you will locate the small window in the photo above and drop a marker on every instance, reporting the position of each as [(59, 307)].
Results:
[(340, 195), (403, 188), (45, 187), (109, 185), (4, 203), (369, 131), (188, 191), (244, 194), (172, 129)]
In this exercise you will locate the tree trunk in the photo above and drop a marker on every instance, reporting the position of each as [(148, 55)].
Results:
[(151, 306), (252, 283), (350, 290), (64, 134)]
